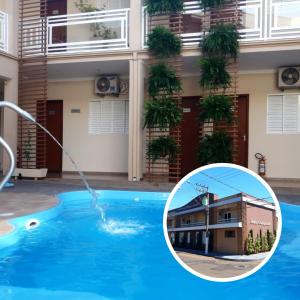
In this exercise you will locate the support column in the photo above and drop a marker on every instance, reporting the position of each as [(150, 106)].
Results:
[(135, 130)]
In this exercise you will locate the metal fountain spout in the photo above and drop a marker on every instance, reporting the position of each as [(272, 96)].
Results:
[(25, 115)]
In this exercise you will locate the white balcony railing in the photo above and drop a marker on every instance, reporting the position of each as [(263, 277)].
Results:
[(88, 32), (262, 20), (229, 220), (3, 32)]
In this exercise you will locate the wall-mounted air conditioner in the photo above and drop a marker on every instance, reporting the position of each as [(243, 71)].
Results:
[(289, 77), (107, 85)]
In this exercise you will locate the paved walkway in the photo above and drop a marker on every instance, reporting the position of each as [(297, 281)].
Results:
[(242, 258), (215, 267)]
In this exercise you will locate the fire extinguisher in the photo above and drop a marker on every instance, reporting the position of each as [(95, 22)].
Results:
[(261, 164)]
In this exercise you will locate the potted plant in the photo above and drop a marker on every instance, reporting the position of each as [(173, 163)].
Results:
[(162, 78), (162, 147), (99, 30), (163, 43), (222, 40), (29, 172), (217, 108), (215, 148), (168, 7), (214, 74), (162, 113)]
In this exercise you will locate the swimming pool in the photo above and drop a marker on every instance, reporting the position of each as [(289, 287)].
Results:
[(70, 256)]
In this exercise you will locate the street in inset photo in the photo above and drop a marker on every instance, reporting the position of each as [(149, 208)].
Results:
[(222, 222)]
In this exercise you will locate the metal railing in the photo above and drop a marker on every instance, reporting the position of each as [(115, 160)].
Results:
[(262, 20), (3, 32), (229, 220), (88, 32), (192, 224)]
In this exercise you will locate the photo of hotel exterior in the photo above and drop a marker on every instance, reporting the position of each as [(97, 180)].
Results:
[(62, 94), (231, 219)]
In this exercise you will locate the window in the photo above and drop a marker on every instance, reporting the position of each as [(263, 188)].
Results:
[(283, 113), (108, 116), (227, 217), (229, 234), (3, 31)]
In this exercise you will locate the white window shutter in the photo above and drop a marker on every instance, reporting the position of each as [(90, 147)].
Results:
[(119, 117), (275, 114), (290, 113), (94, 117), (106, 122), (108, 116)]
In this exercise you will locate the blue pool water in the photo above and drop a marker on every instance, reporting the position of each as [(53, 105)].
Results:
[(72, 257)]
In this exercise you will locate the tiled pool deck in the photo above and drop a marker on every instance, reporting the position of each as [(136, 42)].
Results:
[(33, 196)]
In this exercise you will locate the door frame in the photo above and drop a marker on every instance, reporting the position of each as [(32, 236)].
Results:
[(62, 127), (247, 127)]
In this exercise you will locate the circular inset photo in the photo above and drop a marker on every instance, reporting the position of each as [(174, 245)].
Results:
[(222, 222)]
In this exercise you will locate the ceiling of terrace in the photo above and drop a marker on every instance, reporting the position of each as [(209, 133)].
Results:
[(249, 62), (87, 69)]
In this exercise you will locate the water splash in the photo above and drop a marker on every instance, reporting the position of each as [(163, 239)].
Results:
[(116, 227), (92, 192)]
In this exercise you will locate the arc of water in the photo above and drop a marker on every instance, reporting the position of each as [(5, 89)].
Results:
[(29, 117)]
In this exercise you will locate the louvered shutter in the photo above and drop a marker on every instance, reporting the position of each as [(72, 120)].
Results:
[(290, 113), (275, 114), (94, 117)]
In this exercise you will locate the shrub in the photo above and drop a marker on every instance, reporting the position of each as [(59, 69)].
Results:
[(162, 78), (257, 244), (215, 148), (162, 147), (162, 113), (163, 43), (222, 40), (250, 244), (217, 108), (213, 73), (156, 7)]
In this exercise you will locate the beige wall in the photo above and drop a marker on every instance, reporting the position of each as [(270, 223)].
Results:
[(281, 150), (93, 153), (9, 72)]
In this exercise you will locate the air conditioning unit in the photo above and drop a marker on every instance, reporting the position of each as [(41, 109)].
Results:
[(289, 77), (107, 85)]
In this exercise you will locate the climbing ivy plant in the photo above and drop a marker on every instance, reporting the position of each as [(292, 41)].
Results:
[(166, 7)]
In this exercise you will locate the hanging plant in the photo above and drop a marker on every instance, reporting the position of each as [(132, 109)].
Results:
[(222, 40), (215, 148), (207, 4), (162, 147), (167, 7), (217, 108), (163, 43), (163, 78), (214, 73), (162, 113)]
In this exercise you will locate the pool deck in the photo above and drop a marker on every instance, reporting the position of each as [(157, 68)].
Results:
[(30, 196)]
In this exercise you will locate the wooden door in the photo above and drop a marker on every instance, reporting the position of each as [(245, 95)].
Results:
[(243, 116), (190, 134), (55, 8), (55, 126)]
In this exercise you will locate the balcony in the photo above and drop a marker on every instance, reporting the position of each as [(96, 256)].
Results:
[(105, 30), (3, 32), (229, 220), (262, 20)]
